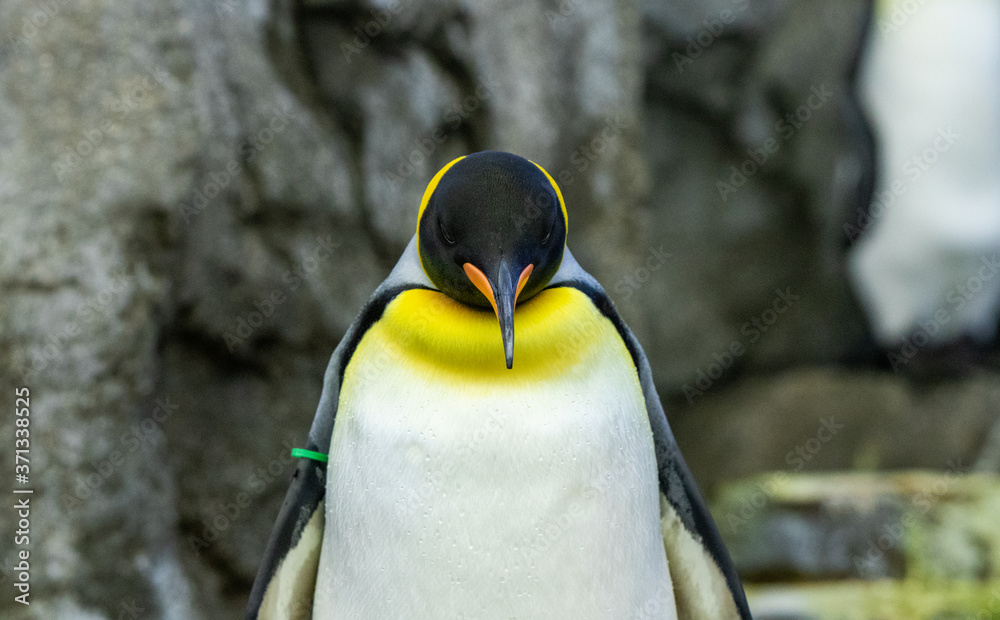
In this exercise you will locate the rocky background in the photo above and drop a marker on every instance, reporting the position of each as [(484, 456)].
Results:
[(197, 197)]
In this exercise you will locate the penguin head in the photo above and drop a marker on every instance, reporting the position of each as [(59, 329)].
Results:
[(491, 232)]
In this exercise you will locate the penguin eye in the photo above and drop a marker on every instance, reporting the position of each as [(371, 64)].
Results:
[(445, 234), (548, 235)]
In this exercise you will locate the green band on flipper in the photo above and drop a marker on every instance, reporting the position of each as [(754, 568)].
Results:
[(302, 453)]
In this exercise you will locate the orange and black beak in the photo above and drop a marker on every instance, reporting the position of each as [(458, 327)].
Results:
[(502, 292)]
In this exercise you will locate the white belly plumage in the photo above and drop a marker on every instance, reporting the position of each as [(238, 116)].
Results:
[(457, 499)]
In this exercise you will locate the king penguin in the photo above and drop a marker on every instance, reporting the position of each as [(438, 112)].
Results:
[(489, 442)]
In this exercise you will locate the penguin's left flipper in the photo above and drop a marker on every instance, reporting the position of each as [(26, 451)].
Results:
[(706, 586), (705, 583)]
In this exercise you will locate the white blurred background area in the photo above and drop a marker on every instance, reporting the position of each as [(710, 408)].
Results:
[(930, 259)]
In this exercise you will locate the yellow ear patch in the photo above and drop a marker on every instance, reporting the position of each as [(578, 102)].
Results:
[(433, 186), (427, 197), (562, 203)]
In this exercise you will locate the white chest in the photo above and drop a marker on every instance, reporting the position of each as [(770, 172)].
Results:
[(494, 499)]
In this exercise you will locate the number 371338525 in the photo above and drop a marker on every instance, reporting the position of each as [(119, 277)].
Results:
[(22, 412)]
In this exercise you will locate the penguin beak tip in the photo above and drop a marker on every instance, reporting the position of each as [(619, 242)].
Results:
[(503, 298)]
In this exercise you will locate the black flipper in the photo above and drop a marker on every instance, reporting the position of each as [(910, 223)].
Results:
[(287, 576)]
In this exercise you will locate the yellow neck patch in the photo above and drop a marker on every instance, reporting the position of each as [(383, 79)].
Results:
[(554, 331)]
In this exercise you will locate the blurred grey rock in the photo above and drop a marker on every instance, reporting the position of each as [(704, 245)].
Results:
[(406, 112), (827, 419), (163, 183), (749, 132)]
